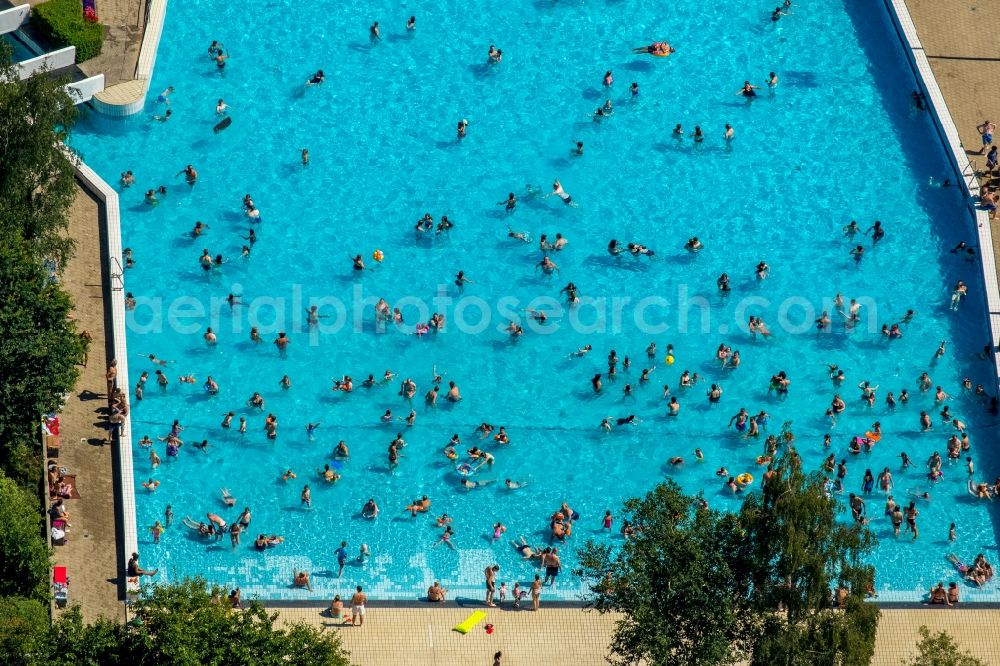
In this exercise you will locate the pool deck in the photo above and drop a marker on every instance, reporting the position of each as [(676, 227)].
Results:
[(123, 22), (959, 39), (423, 636), (91, 549), (956, 36)]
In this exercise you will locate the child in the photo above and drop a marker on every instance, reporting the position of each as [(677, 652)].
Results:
[(503, 589), (517, 594), (157, 530), (951, 532), (607, 520)]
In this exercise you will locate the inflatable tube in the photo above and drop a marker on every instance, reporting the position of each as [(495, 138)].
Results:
[(744, 479), (466, 625), (222, 124)]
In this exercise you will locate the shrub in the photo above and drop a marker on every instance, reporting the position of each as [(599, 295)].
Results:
[(63, 22)]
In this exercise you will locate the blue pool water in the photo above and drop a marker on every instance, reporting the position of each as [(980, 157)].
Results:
[(20, 51), (837, 140)]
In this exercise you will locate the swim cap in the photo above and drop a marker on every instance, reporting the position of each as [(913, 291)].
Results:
[(670, 359)]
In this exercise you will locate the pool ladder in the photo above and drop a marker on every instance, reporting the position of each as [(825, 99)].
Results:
[(117, 275)]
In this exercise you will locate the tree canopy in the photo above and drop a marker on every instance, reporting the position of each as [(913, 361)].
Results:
[(24, 554), (940, 649), (698, 586), (36, 176), (39, 347), (674, 580), (189, 623)]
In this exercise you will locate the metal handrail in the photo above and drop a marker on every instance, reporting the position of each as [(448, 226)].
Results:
[(117, 274)]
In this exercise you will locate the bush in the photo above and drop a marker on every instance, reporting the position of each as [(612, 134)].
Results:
[(62, 22), (24, 630), (24, 554)]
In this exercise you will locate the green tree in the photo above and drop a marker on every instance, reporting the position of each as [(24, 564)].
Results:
[(24, 554), (24, 628), (681, 599), (73, 643), (39, 351), (36, 176), (697, 586), (189, 623), (39, 347), (796, 549), (940, 649)]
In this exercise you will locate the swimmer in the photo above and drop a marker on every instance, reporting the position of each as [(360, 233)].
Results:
[(656, 49), (316, 79), (421, 505), (772, 80), (370, 509), (411, 23), (514, 485), (164, 118), (221, 108), (510, 203), (374, 34), (557, 190), (305, 157), (526, 551), (445, 538), (469, 484), (748, 90), (518, 235), (227, 498), (164, 97), (289, 474)]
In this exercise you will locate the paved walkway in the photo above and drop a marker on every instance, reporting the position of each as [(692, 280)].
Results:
[(423, 636), (960, 41), (123, 22), (91, 549)]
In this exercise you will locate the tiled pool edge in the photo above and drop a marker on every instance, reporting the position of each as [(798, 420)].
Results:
[(126, 99), (112, 217), (964, 172)]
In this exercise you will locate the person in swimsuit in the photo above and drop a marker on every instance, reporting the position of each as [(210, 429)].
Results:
[(985, 129), (557, 190), (748, 90)]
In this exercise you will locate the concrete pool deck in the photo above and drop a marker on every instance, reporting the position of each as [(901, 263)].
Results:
[(423, 636), (956, 37), (959, 39)]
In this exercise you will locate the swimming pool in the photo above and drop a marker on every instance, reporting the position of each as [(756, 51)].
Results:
[(836, 140)]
